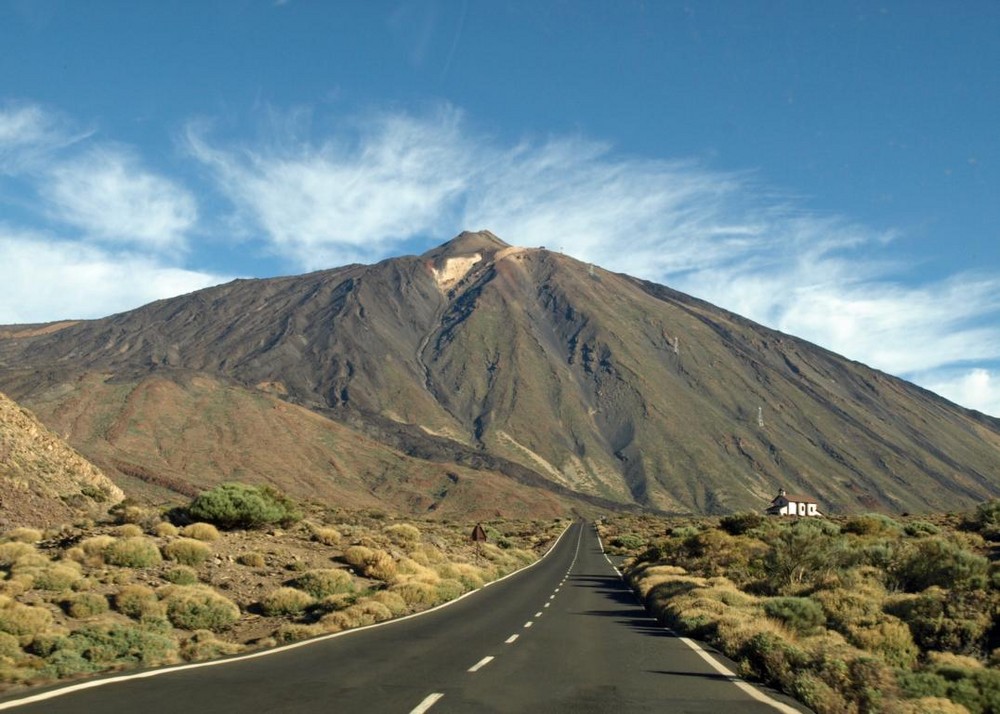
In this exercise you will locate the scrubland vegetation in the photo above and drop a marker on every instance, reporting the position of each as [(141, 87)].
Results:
[(859, 614), (240, 568)]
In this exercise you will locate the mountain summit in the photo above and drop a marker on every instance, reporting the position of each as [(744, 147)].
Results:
[(528, 367)]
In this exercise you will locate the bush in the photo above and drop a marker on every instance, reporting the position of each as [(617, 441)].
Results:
[(252, 560), (11, 552), (181, 575), (380, 566), (85, 605), (129, 530), (740, 523), (103, 645), (192, 607), (203, 645), (416, 593), (935, 561), (403, 533), (201, 531), (326, 536), (139, 602), (947, 621), (357, 555), (187, 551), (801, 614), (320, 583), (627, 541), (871, 524), (133, 553), (285, 601), (986, 519), (164, 529), (236, 505), (60, 576), (18, 619), (23, 535)]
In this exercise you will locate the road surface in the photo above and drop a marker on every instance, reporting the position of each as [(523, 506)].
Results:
[(563, 636)]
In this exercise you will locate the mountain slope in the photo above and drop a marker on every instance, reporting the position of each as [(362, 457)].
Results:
[(530, 363), (44, 481)]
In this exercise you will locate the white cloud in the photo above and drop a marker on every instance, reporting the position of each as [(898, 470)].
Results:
[(43, 278), (333, 202), (976, 388), (28, 133), (108, 195)]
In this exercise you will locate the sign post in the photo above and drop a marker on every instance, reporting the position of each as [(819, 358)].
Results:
[(478, 537)]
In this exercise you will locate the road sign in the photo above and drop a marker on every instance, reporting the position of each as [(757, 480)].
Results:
[(478, 534)]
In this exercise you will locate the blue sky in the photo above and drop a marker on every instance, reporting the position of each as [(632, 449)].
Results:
[(828, 169)]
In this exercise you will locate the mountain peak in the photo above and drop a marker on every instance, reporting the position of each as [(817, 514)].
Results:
[(465, 244)]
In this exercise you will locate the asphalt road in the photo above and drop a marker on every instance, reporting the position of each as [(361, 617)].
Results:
[(563, 636)]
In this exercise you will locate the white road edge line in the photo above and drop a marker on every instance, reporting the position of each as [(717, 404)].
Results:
[(429, 701), (510, 640), (265, 653), (481, 663), (735, 679), (719, 667)]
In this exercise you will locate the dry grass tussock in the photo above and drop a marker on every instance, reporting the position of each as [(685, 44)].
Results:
[(138, 583)]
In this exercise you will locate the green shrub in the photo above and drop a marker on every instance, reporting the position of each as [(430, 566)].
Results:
[(320, 583), (187, 551), (920, 528), (871, 524), (104, 645), (285, 601), (935, 561), (801, 614), (740, 523), (193, 607), (627, 541), (946, 621), (133, 553), (236, 505), (83, 605), (986, 519)]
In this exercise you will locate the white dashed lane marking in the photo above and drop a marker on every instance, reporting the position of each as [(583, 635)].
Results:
[(481, 663), (429, 701), (528, 624), (510, 640)]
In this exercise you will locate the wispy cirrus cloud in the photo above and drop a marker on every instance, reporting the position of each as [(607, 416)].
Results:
[(356, 194), (349, 196), (96, 233), (108, 195), (29, 133), (43, 278)]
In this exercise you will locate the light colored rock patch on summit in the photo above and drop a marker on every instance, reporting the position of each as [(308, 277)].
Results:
[(454, 269)]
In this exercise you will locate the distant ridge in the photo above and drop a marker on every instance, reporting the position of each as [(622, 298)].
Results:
[(519, 364)]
